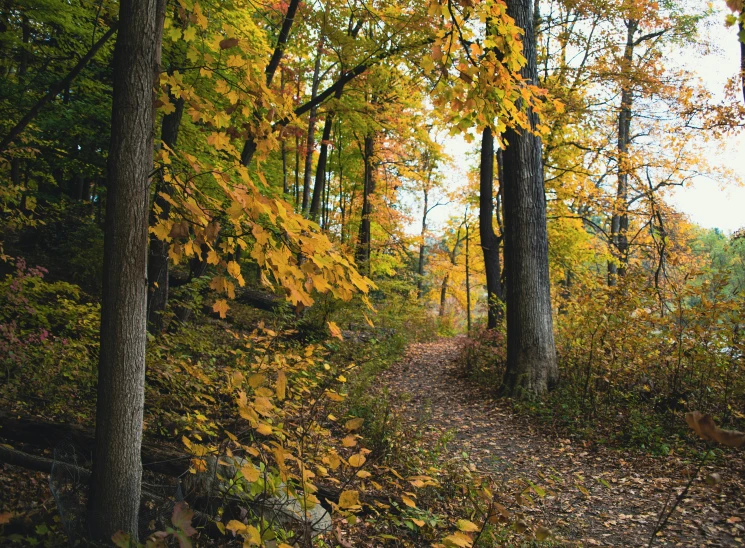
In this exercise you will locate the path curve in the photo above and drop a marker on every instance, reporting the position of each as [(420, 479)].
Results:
[(594, 497)]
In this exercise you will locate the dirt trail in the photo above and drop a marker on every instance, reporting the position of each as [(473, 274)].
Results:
[(596, 497)]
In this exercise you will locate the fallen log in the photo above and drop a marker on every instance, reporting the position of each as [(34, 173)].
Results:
[(45, 434)]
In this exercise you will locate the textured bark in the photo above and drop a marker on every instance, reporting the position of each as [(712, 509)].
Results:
[(531, 354), (157, 264), (490, 242), (117, 470), (362, 253)]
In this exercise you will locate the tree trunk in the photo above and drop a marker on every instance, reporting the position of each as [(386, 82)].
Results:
[(468, 279), (117, 470), (320, 183), (443, 295), (531, 354), (311, 142), (490, 242), (157, 264), (420, 269), (364, 238), (620, 217)]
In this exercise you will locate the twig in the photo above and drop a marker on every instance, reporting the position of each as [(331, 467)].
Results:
[(663, 519)]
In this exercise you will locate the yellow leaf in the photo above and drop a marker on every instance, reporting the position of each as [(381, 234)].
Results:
[(235, 526), (357, 460), (333, 396), (190, 34), (349, 499), (418, 522), (458, 539), (264, 429), (467, 526), (281, 386), (408, 502), (335, 331), (221, 307), (256, 380), (349, 441), (234, 269), (362, 474), (250, 472), (354, 424)]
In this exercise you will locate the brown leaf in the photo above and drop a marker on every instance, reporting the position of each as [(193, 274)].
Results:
[(228, 43)]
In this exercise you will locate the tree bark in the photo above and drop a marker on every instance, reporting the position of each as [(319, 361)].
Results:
[(364, 237), (531, 354), (117, 470), (320, 183), (490, 242)]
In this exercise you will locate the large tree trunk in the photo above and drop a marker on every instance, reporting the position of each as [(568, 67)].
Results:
[(157, 264), (531, 354), (364, 237), (117, 470), (490, 242)]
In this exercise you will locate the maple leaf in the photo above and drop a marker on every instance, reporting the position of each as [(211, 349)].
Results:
[(181, 518), (221, 307)]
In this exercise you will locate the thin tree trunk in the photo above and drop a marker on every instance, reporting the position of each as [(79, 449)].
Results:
[(420, 269), (468, 279), (249, 147), (311, 140), (157, 265), (620, 217), (742, 53), (285, 187), (490, 242), (363, 240), (443, 295), (531, 354), (320, 183), (117, 469)]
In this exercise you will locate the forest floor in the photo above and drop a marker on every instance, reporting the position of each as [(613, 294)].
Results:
[(593, 496)]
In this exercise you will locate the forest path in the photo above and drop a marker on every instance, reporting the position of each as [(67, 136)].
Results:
[(593, 497)]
